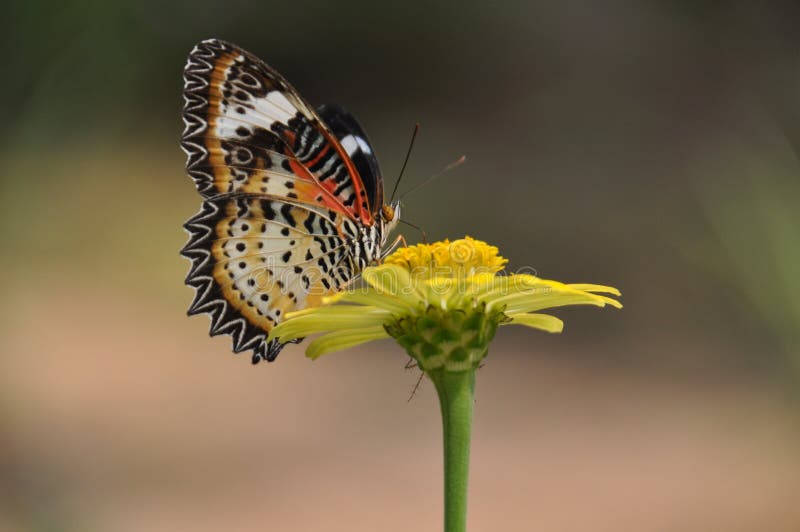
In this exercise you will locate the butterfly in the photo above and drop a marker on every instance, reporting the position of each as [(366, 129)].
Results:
[(293, 205)]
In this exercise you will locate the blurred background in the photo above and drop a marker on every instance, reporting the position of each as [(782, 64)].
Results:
[(652, 146)]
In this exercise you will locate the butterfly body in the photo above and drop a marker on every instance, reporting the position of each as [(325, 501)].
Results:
[(293, 197)]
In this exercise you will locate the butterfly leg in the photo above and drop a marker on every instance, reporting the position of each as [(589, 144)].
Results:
[(400, 240), (416, 386), (411, 364)]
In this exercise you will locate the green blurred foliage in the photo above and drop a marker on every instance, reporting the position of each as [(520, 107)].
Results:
[(754, 233)]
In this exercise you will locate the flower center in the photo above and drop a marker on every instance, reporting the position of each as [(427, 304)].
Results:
[(460, 258)]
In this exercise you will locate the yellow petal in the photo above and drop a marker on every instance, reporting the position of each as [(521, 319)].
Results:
[(530, 301), (506, 285), (338, 340), (341, 309), (370, 297), (597, 288), (544, 322), (326, 319), (386, 278)]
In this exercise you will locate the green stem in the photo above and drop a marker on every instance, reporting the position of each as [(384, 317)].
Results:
[(456, 395)]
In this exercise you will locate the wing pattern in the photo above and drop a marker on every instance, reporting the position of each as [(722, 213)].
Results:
[(255, 259), (290, 202), (248, 130)]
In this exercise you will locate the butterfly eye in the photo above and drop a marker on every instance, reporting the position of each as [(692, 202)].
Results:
[(388, 213)]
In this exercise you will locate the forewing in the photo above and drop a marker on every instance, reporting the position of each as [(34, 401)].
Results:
[(248, 131), (354, 140), (254, 259)]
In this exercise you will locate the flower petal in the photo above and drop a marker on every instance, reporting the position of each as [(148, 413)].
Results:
[(393, 280), (596, 288), (544, 322), (370, 297), (504, 285), (533, 301), (338, 340), (325, 319)]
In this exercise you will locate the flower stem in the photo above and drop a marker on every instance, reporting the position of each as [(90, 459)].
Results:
[(456, 391)]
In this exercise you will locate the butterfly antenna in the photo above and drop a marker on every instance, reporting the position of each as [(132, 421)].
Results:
[(418, 228), (454, 164), (405, 162)]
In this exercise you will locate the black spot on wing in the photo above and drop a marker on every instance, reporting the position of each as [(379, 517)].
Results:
[(286, 211)]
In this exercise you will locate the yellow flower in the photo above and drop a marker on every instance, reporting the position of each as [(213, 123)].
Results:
[(442, 302)]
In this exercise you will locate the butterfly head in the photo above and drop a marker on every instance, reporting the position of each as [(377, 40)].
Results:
[(390, 215)]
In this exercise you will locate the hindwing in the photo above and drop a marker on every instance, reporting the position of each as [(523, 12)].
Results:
[(254, 259)]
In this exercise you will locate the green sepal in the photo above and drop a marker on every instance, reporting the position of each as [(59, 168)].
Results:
[(451, 340)]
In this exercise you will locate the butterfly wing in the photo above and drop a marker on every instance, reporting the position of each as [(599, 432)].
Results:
[(357, 146), (284, 193), (254, 259), (248, 130)]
